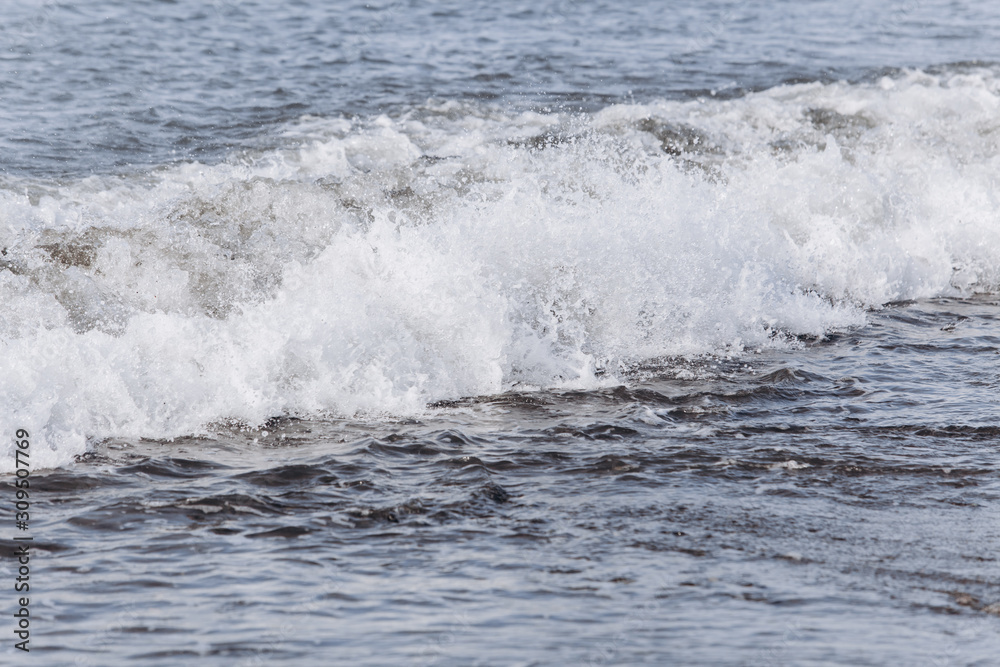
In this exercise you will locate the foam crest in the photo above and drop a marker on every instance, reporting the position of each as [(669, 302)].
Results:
[(370, 267)]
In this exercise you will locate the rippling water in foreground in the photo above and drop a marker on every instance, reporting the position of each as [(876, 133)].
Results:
[(831, 504), (514, 334)]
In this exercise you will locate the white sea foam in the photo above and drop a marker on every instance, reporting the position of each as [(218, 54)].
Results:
[(371, 267)]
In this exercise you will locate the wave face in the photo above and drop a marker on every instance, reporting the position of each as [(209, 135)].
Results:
[(372, 266)]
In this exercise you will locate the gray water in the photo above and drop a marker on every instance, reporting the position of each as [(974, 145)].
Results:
[(108, 86), (504, 334)]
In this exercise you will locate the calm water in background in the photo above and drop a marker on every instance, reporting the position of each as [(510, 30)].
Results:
[(101, 86), (510, 334)]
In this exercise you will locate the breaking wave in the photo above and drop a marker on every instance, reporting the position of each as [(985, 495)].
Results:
[(370, 266)]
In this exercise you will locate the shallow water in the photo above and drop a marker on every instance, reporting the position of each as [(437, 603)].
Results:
[(834, 504), (525, 334)]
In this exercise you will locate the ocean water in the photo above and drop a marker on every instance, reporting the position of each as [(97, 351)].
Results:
[(540, 333)]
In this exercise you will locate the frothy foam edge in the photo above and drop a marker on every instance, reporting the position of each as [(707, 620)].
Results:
[(371, 267)]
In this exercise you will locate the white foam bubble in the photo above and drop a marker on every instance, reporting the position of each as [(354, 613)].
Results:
[(371, 267)]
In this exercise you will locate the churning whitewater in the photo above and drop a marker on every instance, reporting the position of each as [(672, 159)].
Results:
[(374, 265)]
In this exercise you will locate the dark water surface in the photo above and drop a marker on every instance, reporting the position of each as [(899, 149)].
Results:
[(528, 333), (835, 504)]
